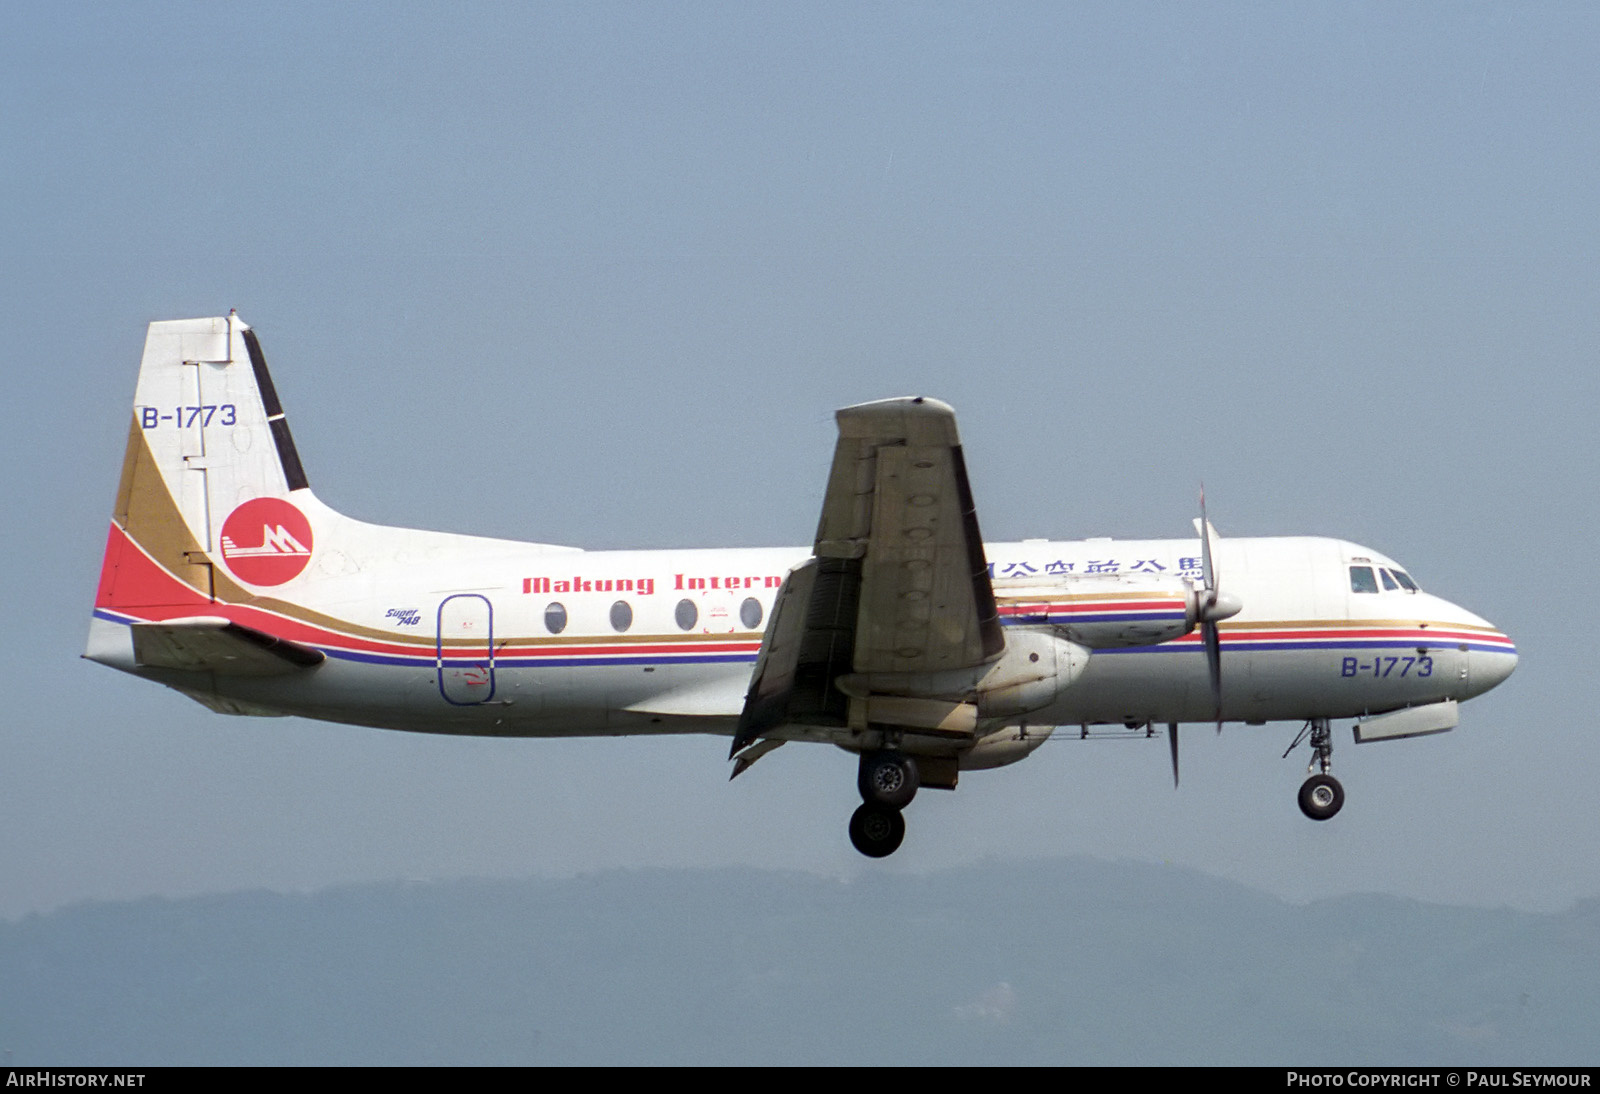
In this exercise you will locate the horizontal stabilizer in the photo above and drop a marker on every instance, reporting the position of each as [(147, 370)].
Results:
[(223, 705), (213, 644)]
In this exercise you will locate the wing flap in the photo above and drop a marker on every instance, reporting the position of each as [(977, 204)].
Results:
[(808, 644)]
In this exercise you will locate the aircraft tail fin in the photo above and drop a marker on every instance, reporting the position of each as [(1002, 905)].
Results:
[(213, 497)]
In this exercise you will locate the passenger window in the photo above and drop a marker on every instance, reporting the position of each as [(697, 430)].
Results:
[(555, 618), (1389, 582), (621, 616), (1362, 580), (687, 615), (750, 613)]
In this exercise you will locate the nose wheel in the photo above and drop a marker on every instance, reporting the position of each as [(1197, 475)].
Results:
[(1321, 797)]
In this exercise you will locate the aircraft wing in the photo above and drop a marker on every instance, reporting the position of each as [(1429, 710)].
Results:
[(897, 581)]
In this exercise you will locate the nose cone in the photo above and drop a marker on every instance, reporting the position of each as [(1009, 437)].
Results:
[(1488, 666), (1491, 655)]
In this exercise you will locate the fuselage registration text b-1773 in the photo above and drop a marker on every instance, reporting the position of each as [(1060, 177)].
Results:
[(899, 635)]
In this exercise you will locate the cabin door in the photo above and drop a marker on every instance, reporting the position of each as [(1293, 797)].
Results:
[(465, 650)]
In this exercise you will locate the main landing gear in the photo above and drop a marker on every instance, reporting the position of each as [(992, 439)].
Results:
[(1321, 796), (888, 782)]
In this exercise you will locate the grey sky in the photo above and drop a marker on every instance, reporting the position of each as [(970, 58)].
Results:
[(600, 274)]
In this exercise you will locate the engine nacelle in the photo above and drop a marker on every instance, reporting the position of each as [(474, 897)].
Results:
[(1004, 746), (1035, 668), (1103, 611), (1032, 672)]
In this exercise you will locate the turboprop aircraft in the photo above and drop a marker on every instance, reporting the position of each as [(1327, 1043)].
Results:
[(898, 635)]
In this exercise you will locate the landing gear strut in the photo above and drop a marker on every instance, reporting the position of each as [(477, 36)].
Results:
[(1321, 796), (887, 781)]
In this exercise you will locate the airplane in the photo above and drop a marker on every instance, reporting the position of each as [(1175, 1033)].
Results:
[(899, 635)]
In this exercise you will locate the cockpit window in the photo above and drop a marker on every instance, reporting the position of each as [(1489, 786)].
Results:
[(1362, 580), (1405, 581), (1389, 582)]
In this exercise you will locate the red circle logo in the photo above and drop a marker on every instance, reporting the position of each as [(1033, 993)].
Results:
[(266, 541)]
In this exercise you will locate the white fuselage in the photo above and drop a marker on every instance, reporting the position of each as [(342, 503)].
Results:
[(435, 632)]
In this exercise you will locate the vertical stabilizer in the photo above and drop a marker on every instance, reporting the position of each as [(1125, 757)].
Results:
[(206, 508)]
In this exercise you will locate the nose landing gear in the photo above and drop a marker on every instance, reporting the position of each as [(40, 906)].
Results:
[(1321, 796)]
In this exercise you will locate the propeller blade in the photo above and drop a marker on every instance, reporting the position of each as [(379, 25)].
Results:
[(1213, 641), (1215, 606), (1172, 740)]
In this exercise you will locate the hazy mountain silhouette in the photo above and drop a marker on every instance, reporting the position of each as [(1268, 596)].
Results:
[(1056, 962)]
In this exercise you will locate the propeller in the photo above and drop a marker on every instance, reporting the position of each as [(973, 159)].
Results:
[(1213, 605)]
